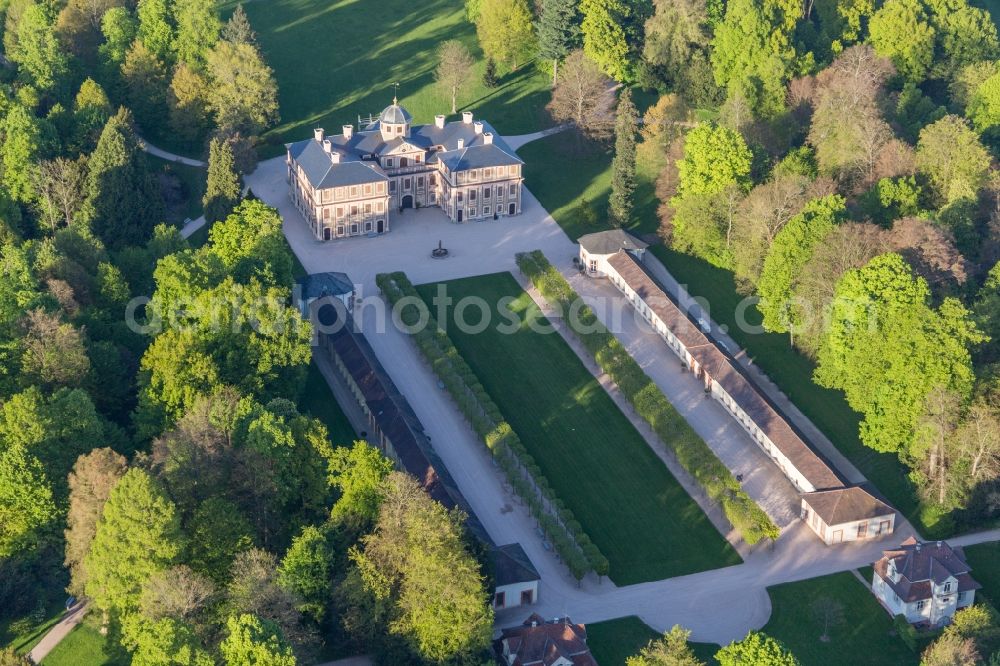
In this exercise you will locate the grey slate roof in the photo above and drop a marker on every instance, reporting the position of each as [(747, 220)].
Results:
[(920, 564), (609, 242), (319, 285), (359, 149), (511, 565), (322, 172), (395, 114)]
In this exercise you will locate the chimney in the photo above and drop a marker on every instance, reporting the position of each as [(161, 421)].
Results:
[(461, 144), (479, 127), (488, 138), (348, 131), (327, 146), (467, 117), (318, 134), (439, 121), (335, 158)]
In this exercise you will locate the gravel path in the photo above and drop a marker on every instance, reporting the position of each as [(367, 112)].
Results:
[(165, 155), (74, 615)]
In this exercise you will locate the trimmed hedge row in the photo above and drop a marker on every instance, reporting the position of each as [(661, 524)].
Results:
[(649, 402), (525, 476)]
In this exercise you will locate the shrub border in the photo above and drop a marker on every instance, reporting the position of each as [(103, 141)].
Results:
[(557, 521), (694, 455)]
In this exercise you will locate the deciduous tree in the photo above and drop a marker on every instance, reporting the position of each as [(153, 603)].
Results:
[(953, 158), (583, 97), (37, 52), (416, 558), (454, 69), (137, 536), (156, 28), (306, 571), (90, 484), (243, 93), (789, 254), (505, 30), (671, 650), (752, 52), (612, 35), (198, 28), (881, 329), (60, 186), (251, 641), (715, 158), (359, 472), (758, 649)]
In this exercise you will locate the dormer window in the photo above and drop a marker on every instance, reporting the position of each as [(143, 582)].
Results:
[(389, 162), (947, 587)]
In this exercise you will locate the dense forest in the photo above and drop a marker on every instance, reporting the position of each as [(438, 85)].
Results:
[(839, 159), (152, 455)]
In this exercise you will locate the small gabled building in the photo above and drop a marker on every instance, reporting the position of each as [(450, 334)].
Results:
[(536, 642), (516, 577), (924, 582), (597, 248)]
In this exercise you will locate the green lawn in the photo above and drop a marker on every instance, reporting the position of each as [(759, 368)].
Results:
[(985, 562), (23, 633), (84, 646), (613, 641), (863, 638), (561, 190), (336, 60), (317, 400), (622, 494)]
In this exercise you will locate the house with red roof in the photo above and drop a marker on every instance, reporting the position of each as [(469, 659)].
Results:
[(924, 582), (538, 642)]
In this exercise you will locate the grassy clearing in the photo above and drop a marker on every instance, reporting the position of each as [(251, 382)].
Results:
[(862, 638), (622, 494), (317, 400), (613, 641), (335, 60), (792, 372), (83, 645), (562, 190), (985, 562), (22, 634)]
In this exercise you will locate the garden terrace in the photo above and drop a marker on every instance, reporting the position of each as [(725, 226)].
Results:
[(620, 491)]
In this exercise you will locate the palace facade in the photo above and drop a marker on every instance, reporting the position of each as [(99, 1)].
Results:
[(348, 184)]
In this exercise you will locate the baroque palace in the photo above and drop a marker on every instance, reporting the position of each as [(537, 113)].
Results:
[(347, 184)]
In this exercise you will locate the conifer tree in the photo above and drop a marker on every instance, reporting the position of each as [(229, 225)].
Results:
[(623, 165), (123, 202), (237, 30), (223, 190), (490, 74), (558, 30)]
